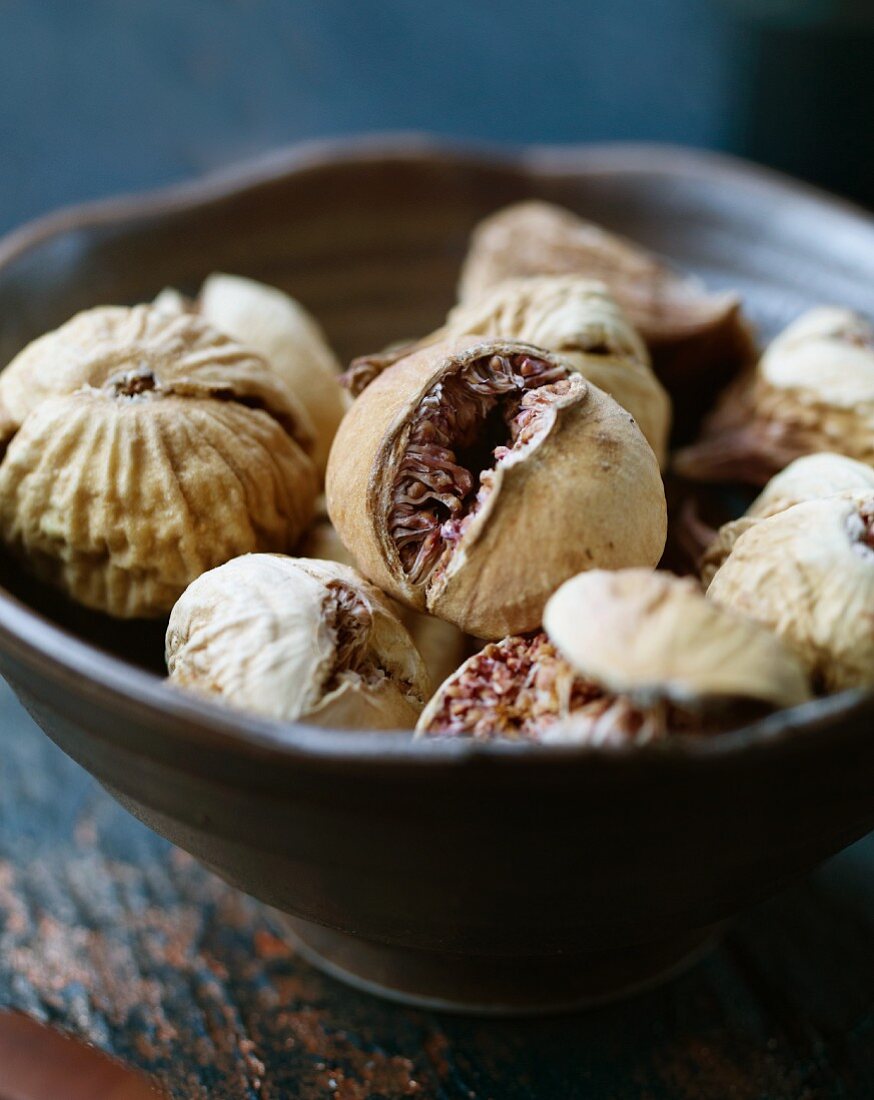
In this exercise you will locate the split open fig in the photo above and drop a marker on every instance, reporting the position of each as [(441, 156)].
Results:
[(565, 314), (473, 477), (627, 658)]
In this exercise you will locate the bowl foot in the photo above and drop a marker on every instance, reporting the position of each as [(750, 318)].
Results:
[(497, 986)]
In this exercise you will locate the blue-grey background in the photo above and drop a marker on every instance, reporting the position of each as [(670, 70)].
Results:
[(100, 96)]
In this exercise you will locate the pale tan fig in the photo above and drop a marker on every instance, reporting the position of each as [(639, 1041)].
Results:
[(281, 330), (807, 573), (720, 546), (571, 316), (691, 332), (148, 449), (652, 636), (471, 478), (180, 351), (170, 300), (442, 646), (288, 336), (813, 390), (812, 477), (523, 689), (294, 638)]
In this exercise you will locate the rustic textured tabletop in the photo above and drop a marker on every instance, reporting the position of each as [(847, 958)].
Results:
[(109, 932)]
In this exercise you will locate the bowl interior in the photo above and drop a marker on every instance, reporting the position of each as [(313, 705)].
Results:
[(370, 238), (442, 846)]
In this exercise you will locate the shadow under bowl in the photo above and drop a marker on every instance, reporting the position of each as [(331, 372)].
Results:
[(487, 877)]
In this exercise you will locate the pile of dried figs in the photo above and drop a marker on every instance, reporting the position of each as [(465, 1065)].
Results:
[(465, 533)]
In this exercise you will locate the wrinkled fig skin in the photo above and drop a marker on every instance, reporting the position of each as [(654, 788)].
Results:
[(153, 493), (293, 638), (812, 391), (288, 337), (721, 545), (807, 573), (570, 316), (652, 636), (147, 448), (442, 646), (698, 340), (813, 477), (584, 491), (183, 353), (280, 329)]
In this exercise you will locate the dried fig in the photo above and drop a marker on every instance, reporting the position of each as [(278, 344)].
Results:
[(182, 352), (279, 328), (813, 390), (170, 300), (652, 636), (807, 573), (293, 638), (809, 478), (720, 546), (289, 338), (697, 339), (147, 448), (568, 315), (442, 646), (471, 478), (521, 689), (620, 677)]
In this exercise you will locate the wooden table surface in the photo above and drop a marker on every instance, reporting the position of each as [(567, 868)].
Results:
[(108, 931)]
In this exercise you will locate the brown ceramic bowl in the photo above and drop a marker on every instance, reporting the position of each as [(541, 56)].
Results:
[(503, 877)]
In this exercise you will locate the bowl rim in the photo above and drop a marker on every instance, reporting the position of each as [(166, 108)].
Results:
[(74, 665)]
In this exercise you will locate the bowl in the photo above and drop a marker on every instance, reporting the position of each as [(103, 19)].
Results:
[(481, 877)]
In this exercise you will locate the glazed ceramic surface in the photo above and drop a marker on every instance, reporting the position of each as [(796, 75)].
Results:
[(491, 876)]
